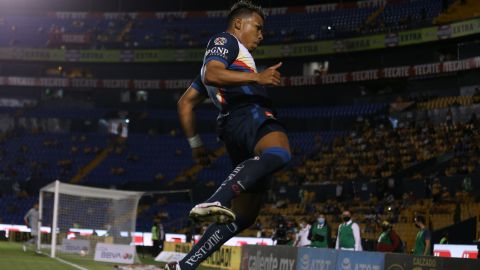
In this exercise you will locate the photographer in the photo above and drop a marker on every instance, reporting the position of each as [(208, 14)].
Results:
[(280, 234)]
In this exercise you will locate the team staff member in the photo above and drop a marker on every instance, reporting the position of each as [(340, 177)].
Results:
[(423, 240), (320, 233), (348, 237)]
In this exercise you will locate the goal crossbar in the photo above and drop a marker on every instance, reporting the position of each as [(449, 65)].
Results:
[(91, 192)]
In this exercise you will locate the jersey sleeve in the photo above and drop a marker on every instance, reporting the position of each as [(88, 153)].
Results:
[(222, 47), (427, 235), (198, 85)]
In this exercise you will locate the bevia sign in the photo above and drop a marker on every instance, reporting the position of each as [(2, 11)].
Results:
[(114, 253)]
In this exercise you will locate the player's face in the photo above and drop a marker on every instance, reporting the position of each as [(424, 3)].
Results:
[(252, 31)]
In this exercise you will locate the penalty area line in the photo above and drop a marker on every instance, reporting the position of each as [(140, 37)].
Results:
[(65, 262)]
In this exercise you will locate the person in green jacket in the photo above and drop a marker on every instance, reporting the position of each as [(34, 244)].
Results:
[(389, 241), (158, 236), (155, 239), (348, 237), (423, 239), (319, 233)]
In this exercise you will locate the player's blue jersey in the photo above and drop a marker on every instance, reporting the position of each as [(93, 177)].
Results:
[(226, 48)]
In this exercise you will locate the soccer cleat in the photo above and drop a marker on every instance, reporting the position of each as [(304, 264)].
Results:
[(212, 212), (172, 266)]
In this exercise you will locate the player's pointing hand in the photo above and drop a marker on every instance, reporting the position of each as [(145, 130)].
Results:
[(270, 76)]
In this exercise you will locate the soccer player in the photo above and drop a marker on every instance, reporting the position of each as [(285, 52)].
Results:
[(256, 142), (31, 220)]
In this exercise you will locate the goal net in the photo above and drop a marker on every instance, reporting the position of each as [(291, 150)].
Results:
[(85, 217)]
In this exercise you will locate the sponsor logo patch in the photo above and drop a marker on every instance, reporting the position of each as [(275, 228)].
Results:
[(220, 41)]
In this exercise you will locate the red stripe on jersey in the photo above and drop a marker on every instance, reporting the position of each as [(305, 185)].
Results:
[(242, 64)]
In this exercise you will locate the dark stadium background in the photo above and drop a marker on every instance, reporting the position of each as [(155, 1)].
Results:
[(433, 162)]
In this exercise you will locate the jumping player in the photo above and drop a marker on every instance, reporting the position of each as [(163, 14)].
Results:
[(256, 142)]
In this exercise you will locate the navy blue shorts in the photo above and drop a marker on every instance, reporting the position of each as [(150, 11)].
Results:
[(242, 129)]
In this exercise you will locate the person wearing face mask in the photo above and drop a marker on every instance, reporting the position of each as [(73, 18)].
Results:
[(389, 241), (301, 239), (423, 239), (348, 237), (319, 233)]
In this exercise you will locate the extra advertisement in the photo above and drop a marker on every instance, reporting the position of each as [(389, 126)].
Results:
[(316, 259), (269, 257), (351, 260)]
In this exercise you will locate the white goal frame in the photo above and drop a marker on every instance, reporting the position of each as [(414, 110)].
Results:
[(58, 188)]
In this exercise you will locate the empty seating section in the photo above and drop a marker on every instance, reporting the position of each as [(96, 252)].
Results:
[(173, 216), (161, 154), (337, 111), (444, 102), (406, 14), (42, 31), (13, 208), (45, 155)]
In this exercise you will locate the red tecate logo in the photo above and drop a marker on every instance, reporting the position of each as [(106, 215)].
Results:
[(442, 253), (470, 254)]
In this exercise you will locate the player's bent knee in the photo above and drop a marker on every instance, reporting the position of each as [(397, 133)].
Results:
[(280, 152), (244, 222)]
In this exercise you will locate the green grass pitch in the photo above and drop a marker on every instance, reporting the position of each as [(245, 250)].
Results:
[(12, 257)]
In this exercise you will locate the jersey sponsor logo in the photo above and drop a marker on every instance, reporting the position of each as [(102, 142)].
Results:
[(220, 41), (217, 51), (212, 241), (269, 115)]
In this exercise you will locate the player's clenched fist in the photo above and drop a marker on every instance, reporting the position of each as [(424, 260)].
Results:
[(202, 156), (270, 76)]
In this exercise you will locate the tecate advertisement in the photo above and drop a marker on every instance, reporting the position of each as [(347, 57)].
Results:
[(456, 251)]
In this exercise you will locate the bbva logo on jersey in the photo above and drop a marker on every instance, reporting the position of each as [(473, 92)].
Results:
[(220, 41)]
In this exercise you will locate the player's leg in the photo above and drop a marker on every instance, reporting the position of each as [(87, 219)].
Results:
[(246, 207), (272, 154)]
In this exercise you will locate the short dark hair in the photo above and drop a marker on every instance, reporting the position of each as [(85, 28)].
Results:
[(242, 8), (420, 218)]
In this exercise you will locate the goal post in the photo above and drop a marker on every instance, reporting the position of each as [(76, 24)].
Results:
[(92, 215)]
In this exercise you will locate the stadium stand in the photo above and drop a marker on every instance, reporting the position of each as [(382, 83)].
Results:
[(124, 31)]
